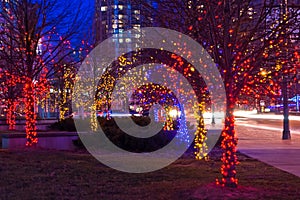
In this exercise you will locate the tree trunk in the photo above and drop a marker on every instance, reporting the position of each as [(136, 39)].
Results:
[(31, 134), (11, 117), (229, 142), (201, 134), (62, 105)]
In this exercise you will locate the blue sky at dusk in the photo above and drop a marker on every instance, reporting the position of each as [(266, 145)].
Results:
[(85, 16)]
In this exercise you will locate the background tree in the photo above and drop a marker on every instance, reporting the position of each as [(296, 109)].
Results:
[(11, 92), (11, 95), (243, 40), (38, 29)]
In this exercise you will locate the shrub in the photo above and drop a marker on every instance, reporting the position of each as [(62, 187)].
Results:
[(64, 125)]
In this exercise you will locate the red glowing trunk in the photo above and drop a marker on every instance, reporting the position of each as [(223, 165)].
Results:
[(229, 142), (11, 117), (31, 134)]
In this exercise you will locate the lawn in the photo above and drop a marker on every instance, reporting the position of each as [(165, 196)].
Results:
[(49, 174)]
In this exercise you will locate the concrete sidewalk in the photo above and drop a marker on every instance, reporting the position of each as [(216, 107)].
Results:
[(267, 146)]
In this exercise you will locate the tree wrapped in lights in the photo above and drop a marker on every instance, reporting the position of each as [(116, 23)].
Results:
[(37, 36), (241, 38), (64, 81), (11, 81), (10, 89), (63, 76), (149, 94), (201, 133)]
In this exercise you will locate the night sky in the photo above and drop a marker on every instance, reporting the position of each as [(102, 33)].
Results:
[(85, 17)]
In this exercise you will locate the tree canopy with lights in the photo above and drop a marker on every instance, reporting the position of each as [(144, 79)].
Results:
[(35, 38), (245, 40)]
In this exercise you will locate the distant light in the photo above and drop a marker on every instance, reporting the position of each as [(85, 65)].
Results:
[(139, 109), (174, 113)]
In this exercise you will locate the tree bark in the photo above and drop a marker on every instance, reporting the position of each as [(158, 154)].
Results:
[(31, 134), (229, 142), (11, 117)]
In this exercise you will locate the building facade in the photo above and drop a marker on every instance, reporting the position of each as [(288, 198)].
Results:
[(114, 17)]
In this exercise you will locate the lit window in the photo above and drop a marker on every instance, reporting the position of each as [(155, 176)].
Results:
[(250, 13), (120, 7), (136, 26), (104, 8), (39, 47), (114, 26)]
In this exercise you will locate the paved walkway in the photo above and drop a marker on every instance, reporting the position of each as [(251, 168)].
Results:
[(267, 146)]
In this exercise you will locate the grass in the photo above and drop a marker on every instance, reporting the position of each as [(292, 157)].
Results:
[(49, 174)]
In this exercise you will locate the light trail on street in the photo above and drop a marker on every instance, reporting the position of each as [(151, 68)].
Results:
[(266, 121)]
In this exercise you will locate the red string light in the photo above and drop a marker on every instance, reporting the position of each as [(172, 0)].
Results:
[(32, 91), (30, 127), (229, 158)]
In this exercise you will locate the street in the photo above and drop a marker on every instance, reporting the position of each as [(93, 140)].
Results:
[(267, 121), (260, 136)]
